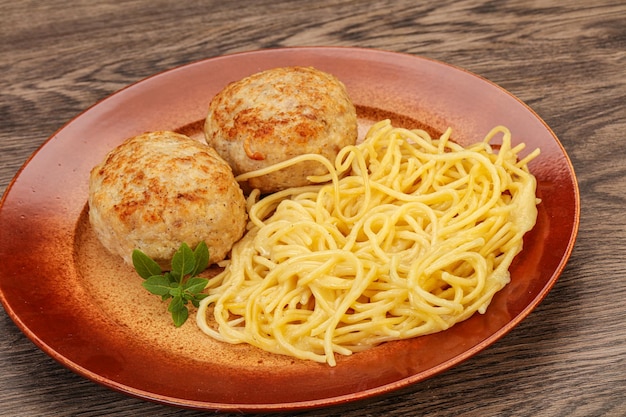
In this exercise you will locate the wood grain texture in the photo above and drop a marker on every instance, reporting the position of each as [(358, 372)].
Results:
[(566, 59)]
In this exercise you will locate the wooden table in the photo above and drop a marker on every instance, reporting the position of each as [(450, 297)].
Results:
[(565, 59)]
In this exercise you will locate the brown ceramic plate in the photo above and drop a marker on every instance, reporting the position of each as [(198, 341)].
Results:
[(87, 310)]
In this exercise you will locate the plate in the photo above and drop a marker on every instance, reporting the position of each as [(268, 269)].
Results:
[(86, 310)]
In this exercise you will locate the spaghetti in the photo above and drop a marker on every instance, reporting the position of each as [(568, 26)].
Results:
[(405, 236)]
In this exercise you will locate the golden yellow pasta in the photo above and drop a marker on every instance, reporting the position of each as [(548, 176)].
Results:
[(406, 235)]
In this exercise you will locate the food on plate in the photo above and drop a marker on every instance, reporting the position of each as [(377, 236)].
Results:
[(160, 189), (339, 246), (405, 235), (277, 114)]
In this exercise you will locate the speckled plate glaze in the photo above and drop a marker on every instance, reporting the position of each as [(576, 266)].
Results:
[(86, 309)]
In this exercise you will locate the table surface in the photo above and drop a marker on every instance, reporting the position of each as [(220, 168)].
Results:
[(565, 59)]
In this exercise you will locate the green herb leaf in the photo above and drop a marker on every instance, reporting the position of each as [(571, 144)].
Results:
[(195, 285), (171, 278), (180, 316), (201, 256), (175, 305), (199, 297), (157, 285), (144, 265), (183, 262), (176, 291), (172, 284)]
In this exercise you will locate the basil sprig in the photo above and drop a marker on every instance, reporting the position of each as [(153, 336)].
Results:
[(180, 283)]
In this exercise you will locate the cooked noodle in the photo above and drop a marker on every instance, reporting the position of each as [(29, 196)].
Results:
[(405, 236)]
